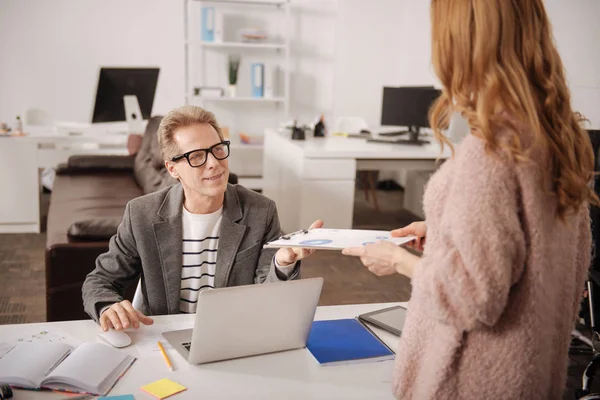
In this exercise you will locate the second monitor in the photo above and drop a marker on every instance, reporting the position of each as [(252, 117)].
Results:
[(408, 106)]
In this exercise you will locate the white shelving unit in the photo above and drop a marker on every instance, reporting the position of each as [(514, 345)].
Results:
[(239, 99), (206, 66), (198, 52), (239, 45)]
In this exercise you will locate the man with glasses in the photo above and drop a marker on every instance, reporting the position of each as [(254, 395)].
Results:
[(199, 234)]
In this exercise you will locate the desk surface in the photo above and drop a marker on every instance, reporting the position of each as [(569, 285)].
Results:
[(51, 135), (359, 148), (290, 374)]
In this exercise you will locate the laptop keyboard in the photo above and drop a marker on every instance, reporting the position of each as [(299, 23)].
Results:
[(187, 345)]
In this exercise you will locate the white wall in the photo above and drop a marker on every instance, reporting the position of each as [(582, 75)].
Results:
[(379, 43), (387, 42), (577, 34), (345, 52), (313, 58), (52, 50), (384, 43)]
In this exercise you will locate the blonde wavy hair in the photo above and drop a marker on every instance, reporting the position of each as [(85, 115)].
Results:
[(497, 58)]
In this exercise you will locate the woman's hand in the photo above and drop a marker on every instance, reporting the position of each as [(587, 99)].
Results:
[(418, 229), (384, 258)]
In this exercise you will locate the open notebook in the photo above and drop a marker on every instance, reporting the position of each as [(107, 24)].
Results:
[(91, 367)]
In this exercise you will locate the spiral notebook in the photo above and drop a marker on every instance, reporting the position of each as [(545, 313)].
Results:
[(335, 239), (90, 368)]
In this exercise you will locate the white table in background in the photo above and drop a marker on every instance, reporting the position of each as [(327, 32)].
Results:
[(290, 374), (246, 161), (46, 147), (42, 147), (315, 178)]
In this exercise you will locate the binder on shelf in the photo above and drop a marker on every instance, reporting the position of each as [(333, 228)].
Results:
[(208, 24), (212, 25), (270, 78), (257, 79)]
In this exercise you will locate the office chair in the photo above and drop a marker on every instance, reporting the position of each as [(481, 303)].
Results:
[(590, 310)]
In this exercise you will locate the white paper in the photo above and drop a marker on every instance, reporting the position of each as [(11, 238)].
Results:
[(92, 367), (336, 239), (146, 338), (46, 334), (5, 348)]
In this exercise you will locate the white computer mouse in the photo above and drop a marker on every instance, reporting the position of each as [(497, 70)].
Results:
[(115, 338)]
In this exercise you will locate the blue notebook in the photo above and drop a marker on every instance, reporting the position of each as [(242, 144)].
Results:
[(345, 341)]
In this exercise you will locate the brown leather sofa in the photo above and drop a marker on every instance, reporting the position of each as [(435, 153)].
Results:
[(87, 203)]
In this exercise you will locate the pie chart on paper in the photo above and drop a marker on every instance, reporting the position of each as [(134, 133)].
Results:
[(316, 242)]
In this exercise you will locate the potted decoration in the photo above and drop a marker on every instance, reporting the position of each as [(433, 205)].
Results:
[(234, 66)]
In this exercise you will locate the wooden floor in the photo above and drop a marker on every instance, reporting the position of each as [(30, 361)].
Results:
[(346, 281), (22, 278)]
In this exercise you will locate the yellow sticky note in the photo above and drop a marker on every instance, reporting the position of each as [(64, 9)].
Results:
[(163, 388)]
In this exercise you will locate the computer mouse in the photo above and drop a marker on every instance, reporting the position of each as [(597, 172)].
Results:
[(365, 132), (115, 338)]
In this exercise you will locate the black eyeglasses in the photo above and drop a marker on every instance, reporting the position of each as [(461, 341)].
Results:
[(197, 158)]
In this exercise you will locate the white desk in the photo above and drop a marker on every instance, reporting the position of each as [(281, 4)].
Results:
[(286, 375), (246, 161), (46, 147), (43, 147), (315, 178)]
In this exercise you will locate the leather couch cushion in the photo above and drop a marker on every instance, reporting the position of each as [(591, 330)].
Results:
[(155, 155), (145, 174), (150, 135), (100, 163), (92, 229), (134, 143), (148, 177), (82, 197)]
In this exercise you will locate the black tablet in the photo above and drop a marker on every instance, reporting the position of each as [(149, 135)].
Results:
[(391, 319)]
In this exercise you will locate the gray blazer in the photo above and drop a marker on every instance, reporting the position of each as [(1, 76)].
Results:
[(148, 245)]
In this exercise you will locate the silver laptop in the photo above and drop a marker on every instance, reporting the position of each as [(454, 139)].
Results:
[(248, 320)]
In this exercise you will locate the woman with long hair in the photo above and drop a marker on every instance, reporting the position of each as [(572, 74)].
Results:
[(497, 290)]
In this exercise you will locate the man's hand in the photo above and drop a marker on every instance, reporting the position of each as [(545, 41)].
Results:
[(122, 316), (418, 229), (289, 255)]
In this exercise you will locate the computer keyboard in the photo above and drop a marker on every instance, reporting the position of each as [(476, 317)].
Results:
[(187, 346), (392, 134)]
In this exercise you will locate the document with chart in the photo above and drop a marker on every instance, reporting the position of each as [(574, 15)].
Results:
[(335, 239)]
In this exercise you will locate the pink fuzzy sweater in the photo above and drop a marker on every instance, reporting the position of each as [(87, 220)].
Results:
[(497, 291)]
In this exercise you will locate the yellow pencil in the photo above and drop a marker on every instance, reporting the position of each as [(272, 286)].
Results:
[(165, 356)]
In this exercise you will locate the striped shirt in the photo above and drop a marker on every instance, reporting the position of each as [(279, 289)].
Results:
[(199, 258)]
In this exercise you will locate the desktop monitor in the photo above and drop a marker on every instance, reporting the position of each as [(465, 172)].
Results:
[(408, 106), (115, 83)]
